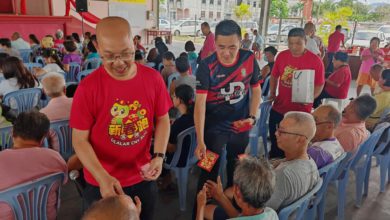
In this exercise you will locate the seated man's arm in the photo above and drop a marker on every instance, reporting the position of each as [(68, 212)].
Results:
[(280, 191)]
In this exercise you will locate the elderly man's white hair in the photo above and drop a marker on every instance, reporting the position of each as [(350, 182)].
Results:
[(53, 84), (304, 123)]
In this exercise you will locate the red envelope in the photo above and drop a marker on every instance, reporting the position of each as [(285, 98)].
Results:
[(240, 126), (208, 162)]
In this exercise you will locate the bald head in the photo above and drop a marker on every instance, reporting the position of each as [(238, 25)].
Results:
[(112, 28), (304, 123)]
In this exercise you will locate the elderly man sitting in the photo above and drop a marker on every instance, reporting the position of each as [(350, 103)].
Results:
[(253, 186), (352, 130), (27, 161), (59, 106), (298, 173), (325, 148)]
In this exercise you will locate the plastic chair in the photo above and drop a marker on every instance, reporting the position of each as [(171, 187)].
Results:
[(25, 54), (64, 133), (299, 207), (262, 129), (172, 77), (342, 173), (317, 205), (382, 153), (39, 59), (6, 137), (23, 100), (385, 113), (29, 200), (92, 63), (340, 102), (30, 66), (74, 69), (182, 172), (83, 74)]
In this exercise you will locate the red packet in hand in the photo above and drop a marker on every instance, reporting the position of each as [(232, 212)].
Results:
[(208, 162), (240, 126)]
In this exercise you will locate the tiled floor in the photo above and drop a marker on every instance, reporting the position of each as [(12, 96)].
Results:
[(375, 206)]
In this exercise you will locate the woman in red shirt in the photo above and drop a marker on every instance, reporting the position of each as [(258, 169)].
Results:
[(337, 85)]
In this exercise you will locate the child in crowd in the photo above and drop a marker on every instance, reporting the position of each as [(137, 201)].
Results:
[(71, 56), (169, 65), (369, 57), (52, 61), (182, 66), (183, 101)]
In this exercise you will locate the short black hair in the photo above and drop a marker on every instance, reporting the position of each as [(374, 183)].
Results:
[(3, 57), (169, 56), (296, 32), (338, 27), (91, 47), (205, 24), (184, 54), (70, 46), (31, 125), (182, 64), (158, 39), (137, 37), (271, 49), (364, 105), (5, 42), (227, 28), (138, 55), (189, 46)]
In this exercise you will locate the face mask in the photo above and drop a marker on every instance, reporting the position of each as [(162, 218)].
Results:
[(265, 58)]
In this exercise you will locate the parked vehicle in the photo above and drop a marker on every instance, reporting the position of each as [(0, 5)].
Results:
[(386, 30), (273, 30), (163, 24), (362, 38), (187, 27)]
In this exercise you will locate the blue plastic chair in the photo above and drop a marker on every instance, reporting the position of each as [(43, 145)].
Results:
[(172, 77), (28, 200), (23, 100), (182, 172), (317, 205), (194, 66), (385, 113), (74, 69), (30, 66), (26, 55), (64, 134), (83, 74), (382, 153), (39, 59), (358, 163), (261, 129), (299, 207), (6, 137), (92, 63)]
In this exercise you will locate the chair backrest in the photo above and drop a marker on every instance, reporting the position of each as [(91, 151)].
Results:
[(26, 55), (39, 59), (385, 113), (92, 63), (6, 137), (30, 66), (191, 158), (299, 207), (383, 146), (172, 77), (83, 74), (64, 134), (74, 69), (28, 200), (265, 109), (23, 100)]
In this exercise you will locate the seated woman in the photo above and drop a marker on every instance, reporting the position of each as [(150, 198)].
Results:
[(92, 52), (16, 77), (337, 85), (183, 101), (71, 56), (52, 61), (382, 100)]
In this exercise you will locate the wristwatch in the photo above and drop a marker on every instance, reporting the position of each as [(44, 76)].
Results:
[(159, 155), (253, 118)]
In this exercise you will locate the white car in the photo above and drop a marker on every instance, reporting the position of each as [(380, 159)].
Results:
[(163, 24), (187, 27), (273, 30), (386, 30), (362, 38)]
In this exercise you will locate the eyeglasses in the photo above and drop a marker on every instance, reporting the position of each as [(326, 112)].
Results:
[(285, 132), (123, 57), (323, 122)]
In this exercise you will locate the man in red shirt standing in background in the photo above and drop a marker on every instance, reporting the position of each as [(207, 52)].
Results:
[(113, 115), (334, 41), (288, 61), (209, 43)]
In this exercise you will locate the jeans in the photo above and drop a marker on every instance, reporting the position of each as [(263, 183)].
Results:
[(329, 68), (274, 119)]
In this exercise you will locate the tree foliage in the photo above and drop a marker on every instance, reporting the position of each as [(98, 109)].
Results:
[(279, 8), (331, 19), (242, 12)]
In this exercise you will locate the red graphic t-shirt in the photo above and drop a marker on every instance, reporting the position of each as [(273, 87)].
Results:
[(283, 69), (120, 116), (341, 76), (334, 41)]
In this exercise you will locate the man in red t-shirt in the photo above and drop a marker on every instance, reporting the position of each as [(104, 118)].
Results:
[(337, 85), (334, 41), (288, 61), (113, 116)]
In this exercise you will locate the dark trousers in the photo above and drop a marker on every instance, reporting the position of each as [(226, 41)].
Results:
[(146, 191), (274, 119), (329, 68), (318, 101)]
